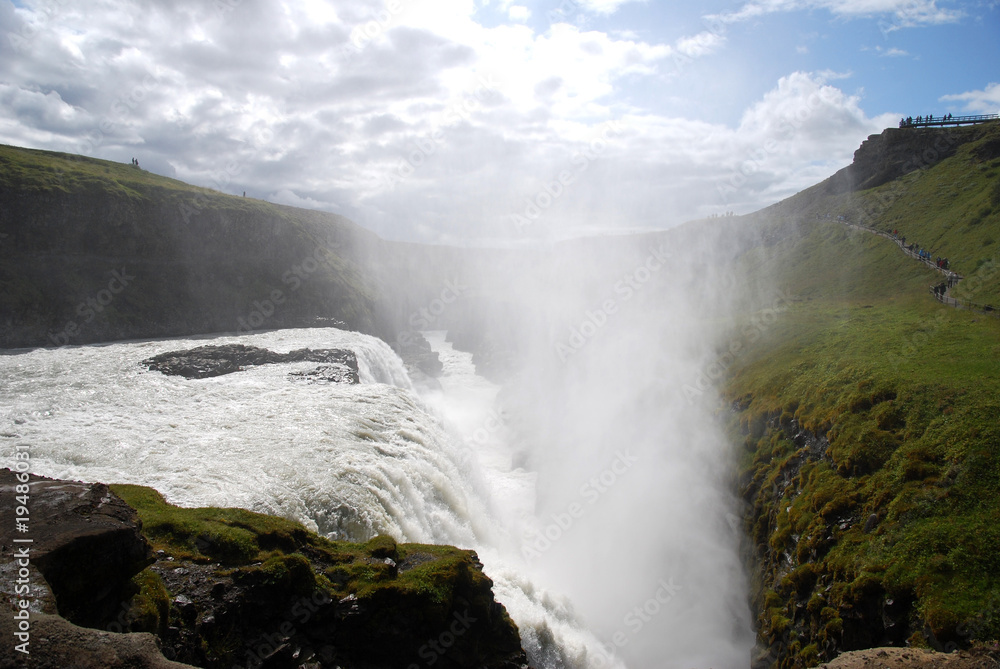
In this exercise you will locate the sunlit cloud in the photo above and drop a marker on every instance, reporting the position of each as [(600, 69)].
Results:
[(907, 13), (986, 101), (421, 120), (518, 13)]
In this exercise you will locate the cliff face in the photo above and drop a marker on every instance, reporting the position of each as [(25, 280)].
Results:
[(227, 587), (96, 251), (896, 152)]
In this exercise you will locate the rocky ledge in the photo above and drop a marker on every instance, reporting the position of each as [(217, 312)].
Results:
[(120, 578), (916, 658), (340, 366), (422, 363)]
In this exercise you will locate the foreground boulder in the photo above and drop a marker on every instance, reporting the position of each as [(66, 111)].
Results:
[(230, 588), (341, 366), (59, 644), (74, 561), (86, 544), (915, 658), (236, 588)]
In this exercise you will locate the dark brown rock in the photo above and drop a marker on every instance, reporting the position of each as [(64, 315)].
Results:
[(87, 546), (59, 644), (216, 360), (86, 543)]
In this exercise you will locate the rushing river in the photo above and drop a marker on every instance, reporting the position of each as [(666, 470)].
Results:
[(350, 462)]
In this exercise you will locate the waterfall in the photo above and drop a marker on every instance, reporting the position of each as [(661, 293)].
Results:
[(348, 462)]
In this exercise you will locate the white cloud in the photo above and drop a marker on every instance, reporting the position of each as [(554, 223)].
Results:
[(900, 13), (601, 6), (701, 44), (986, 101), (433, 127), (518, 13), (286, 196)]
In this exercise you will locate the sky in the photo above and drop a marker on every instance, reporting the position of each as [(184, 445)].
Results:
[(491, 122)]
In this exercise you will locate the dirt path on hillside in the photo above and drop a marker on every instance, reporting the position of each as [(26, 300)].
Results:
[(952, 278)]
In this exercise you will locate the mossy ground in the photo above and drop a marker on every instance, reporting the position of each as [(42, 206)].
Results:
[(906, 390), (286, 553), (248, 576)]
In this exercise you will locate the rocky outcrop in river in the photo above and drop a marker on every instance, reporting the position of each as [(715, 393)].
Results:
[(340, 366)]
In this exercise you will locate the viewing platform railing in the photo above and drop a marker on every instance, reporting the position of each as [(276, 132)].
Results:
[(930, 121)]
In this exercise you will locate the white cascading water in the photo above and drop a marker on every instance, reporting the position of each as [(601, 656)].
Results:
[(346, 461)]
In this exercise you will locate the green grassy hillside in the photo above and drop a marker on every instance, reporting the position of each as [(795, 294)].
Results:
[(866, 416)]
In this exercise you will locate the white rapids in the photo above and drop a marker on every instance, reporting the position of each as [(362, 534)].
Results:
[(349, 462)]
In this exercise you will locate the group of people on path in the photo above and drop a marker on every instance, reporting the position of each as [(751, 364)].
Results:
[(921, 252), (903, 122), (940, 289)]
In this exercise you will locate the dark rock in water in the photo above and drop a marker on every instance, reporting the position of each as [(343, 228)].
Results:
[(217, 360), (337, 373), (415, 351)]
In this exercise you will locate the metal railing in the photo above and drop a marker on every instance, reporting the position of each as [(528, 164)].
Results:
[(941, 295), (948, 119)]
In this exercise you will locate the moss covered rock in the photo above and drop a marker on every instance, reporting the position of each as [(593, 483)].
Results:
[(247, 589)]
